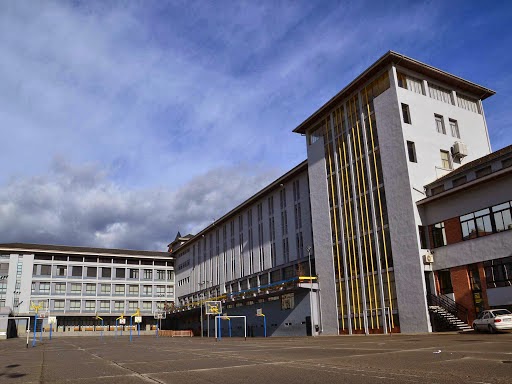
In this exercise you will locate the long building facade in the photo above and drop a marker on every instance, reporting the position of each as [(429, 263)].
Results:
[(371, 150), (74, 284)]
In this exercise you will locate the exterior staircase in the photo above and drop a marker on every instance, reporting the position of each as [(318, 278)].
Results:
[(447, 315), (450, 321)]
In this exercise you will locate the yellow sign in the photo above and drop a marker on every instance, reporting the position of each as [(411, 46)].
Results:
[(36, 307)]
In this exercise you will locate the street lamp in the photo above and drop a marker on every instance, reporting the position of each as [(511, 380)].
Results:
[(310, 291)]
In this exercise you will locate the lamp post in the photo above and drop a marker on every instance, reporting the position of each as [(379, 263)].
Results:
[(201, 306), (310, 291)]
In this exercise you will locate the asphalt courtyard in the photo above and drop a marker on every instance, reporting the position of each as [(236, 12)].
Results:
[(433, 358)]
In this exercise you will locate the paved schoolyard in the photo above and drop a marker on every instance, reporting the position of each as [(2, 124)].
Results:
[(434, 358)]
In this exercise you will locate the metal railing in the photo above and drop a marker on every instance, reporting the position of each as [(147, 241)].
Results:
[(457, 310)]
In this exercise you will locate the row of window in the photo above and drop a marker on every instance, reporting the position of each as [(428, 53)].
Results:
[(101, 289), (104, 260), (481, 223), (481, 172), (103, 305), (445, 156), (103, 272), (438, 119), (436, 92)]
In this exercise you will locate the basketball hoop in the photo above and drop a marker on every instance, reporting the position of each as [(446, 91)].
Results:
[(159, 315)]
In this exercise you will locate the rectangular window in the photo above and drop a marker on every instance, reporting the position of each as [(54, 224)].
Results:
[(106, 272), (46, 270), (61, 270), (467, 103), (438, 235), (406, 114), (502, 216), (170, 275), (74, 305), (90, 305), (105, 305), (459, 181), (105, 289), (91, 271), (476, 224), (445, 282), (58, 305), (60, 287), (160, 290), (445, 160), (146, 306), (119, 289), (133, 305), (506, 163), (411, 151), (454, 128), (410, 83), (76, 271), (148, 274), (44, 288), (90, 289), (440, 93), (147, 290), (119, 306), (133, 290), (423, 236), (134, 273), (76, 288), (440, 124), (120, 273), (498, 272), (160, 275), (483, 172)]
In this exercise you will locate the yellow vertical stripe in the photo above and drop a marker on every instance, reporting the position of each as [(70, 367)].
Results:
[(363, 197), (381, 221), (338, 256), (354, 239), (331, 177)]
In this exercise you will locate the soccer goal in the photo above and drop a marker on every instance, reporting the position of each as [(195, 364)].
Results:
[(218, 328)]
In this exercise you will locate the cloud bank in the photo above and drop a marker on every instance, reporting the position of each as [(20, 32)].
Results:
[(78, 205)]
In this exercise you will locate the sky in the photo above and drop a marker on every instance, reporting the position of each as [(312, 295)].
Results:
[(124, 122)]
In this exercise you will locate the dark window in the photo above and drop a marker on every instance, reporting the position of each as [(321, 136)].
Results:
[(454, 128), (106, 272), (498, 272), (438, 235), (76, 271), (506, 163), (406, 114), (476, 224), (120, 273), (502, 216), (440, 124), (423, 236), (445, 282), (483, 172), (436, 190), (459, 181), (91, 271), (46, 270), (411, 150), (61, 270)]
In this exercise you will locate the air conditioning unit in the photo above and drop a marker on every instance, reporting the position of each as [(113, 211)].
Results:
[(428, 258), (459, 150)]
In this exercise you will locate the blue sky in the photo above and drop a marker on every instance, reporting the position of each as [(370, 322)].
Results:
[(124, 122)]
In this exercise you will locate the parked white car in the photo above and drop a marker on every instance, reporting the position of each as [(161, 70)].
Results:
[(493, 320)]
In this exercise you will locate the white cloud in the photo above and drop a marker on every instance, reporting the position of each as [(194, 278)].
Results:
[(80, 206)]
